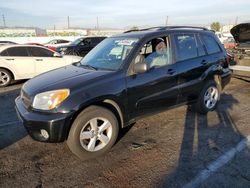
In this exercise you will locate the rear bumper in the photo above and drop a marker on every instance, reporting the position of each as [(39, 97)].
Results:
[(57, 125), (225, 77)]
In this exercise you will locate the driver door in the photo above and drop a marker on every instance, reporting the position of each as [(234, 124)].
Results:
[(155, 89)]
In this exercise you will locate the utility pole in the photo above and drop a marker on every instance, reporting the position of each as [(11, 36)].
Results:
[(167, 21), (68, 22), (97, 23), (54, 30), (4, 23), (236, 20)]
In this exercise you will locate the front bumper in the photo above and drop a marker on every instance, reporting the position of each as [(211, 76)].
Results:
[(57, 125)]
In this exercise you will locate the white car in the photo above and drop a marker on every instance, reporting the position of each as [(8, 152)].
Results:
[(57, 42), (26, 61)]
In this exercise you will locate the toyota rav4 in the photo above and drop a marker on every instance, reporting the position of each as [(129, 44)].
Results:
[(123, 79)]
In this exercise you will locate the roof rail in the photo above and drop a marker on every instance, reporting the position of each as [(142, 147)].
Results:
[(182, 27), (160, 28)]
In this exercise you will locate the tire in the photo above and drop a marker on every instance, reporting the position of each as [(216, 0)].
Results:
[(72, 52), (209, 98), (5, 78), (86, 139)]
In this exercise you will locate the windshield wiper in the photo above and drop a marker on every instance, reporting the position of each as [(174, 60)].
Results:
[(89, 67)]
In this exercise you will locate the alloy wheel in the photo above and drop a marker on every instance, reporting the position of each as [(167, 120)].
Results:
[(96, 134), (211, 97)]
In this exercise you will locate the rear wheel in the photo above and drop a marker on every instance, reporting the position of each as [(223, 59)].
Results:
[(209, 97), (93, 132), (5, 78)]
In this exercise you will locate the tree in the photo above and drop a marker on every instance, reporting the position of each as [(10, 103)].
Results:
[(215, 26), (134, 28)]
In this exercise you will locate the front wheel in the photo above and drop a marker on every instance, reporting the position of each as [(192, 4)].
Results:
[(93, 132), (209, 98)]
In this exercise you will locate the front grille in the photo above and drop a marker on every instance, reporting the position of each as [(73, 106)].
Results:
[(25, 98)]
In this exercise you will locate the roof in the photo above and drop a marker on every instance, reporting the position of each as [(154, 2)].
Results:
[(157, 30), (3, 47)]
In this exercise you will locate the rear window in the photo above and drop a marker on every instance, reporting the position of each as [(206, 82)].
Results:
[(186, 46), (17, 51), (211, 45), (4, 53)]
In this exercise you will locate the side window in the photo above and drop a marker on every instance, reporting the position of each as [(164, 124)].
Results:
[(200, 47), (86, 42), (18, 51), (40, 52), (156, 53), (211, 45), (186, 46), (4, 53)]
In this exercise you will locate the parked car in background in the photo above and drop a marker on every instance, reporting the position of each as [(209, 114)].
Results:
[(6, 42), (221, 36), (241, 52), (26, 61), (123, 79), (80, 46), (229, 43), (53, 44), (38, 44), (57, 42)]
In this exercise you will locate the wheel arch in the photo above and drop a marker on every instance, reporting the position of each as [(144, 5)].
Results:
[(109, 104), (12, 74)]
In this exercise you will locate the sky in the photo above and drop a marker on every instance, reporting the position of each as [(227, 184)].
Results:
[(121, 13)]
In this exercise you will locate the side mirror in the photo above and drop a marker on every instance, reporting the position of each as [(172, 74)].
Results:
[(56, 54), (141, 67)]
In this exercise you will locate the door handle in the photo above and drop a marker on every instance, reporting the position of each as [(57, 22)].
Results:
[(171, 71), (39, 59), (204, 62), (10, 59)]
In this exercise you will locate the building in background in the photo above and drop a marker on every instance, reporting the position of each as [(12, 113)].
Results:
[(22, 32)]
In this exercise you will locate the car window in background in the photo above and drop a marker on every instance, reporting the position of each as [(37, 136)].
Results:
[(18, 51), (110, 53), (4, 53), (186, 46), (211, 45), (77, 41), (40, 52)]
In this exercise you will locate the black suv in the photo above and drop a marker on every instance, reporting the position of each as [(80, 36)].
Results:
[(80, 46), (123, 79)]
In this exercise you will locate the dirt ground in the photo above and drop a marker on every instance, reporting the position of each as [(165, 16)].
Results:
[(164, 150)]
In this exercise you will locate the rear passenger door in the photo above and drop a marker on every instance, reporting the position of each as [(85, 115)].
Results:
[(191, 61)]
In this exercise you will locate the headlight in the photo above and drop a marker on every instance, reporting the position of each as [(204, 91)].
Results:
[(50, 99)]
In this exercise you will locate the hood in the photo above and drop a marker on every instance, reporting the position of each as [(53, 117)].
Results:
[(70, 76), (241, 33)]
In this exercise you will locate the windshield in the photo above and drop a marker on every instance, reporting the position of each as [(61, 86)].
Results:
[(77, 41), (110, 53)]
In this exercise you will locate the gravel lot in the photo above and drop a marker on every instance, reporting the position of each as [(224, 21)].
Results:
[(165, 150)]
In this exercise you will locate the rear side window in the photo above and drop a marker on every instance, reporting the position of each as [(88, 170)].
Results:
[(4, 53), (186, 46), (17, 51), (211, 45), (40, 52)]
